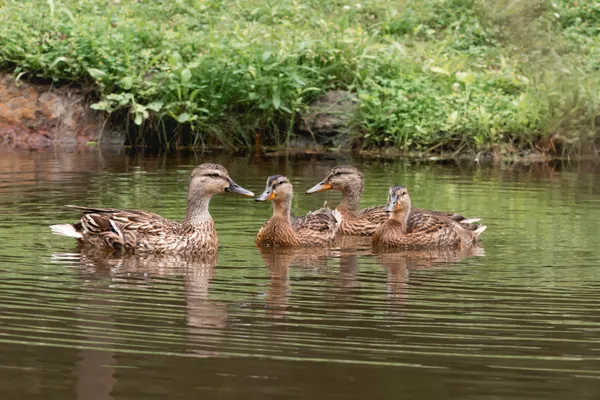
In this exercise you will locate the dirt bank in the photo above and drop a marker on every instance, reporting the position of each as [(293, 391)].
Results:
[(41, 115)]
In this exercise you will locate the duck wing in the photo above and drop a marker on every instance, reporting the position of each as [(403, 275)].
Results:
[(364, 223), (375, 215), (427, 223), (416, 212), (436, 229), (121, 229), (317, 227)]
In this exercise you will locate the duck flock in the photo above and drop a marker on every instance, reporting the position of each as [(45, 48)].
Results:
[(393, 226)]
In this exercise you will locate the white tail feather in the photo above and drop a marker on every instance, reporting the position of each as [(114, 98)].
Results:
[(337, 215), (470, 220), (480, 230), (65, 230)]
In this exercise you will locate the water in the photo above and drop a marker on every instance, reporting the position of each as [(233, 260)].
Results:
[(520, 321)]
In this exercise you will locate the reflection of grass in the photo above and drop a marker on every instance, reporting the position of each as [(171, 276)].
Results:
[(430, 74)]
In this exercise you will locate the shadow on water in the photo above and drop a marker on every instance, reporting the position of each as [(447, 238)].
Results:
[(520, 322)]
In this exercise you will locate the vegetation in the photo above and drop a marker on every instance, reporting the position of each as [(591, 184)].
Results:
[(431, 74)]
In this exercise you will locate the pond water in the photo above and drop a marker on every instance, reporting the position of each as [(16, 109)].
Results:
[(519, 320)]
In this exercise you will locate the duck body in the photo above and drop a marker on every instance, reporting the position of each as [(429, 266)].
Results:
[(135, 231), (426, 231), (365, 222), (317, 228), (440, 233)]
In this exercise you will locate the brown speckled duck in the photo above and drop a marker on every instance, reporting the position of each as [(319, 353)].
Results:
[(316, 228), (350, 182), (426, 231), (141, 231)]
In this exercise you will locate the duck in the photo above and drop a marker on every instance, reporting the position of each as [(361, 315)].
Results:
[(137, 231), (316, 228), (350, 182), (426, 231)]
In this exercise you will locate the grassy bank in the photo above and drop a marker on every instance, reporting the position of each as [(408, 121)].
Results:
[(431, 74)]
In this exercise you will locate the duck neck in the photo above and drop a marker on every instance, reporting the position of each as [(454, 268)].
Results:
[(401, 217), (282, 209), (197, 208), (350, 198)]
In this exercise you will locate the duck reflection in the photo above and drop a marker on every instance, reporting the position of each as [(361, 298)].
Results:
[(94, 370), (398, 265), (346, 286), (279, 261), (205, 318), (348, 249)]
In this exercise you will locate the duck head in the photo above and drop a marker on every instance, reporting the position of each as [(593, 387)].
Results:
[(340, 178), (398, 200), (278, 189), (214, 178)]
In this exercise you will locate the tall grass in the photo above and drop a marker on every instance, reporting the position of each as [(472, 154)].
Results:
[(433, 74)]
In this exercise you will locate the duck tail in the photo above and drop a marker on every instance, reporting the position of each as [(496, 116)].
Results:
[(338, 216), (65, 230), (480, 230), (470, 220)]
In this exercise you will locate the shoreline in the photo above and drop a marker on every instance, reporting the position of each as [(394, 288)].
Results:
[(483, 158)]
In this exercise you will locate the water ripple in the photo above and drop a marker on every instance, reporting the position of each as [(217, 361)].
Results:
[(520, 317)]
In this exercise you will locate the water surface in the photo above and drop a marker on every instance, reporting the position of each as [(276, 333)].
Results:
[(517, 320)]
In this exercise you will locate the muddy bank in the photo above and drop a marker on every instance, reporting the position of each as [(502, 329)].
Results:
[(41, 115)]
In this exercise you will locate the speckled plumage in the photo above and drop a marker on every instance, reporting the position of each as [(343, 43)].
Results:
[(133, 231), (429, 230), (142, 231), (350, 182), (316, 228)]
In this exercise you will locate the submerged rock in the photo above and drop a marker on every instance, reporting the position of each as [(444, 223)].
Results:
[(39, 115), (327, 117)]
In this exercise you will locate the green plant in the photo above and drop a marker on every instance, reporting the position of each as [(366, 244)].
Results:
[(434, 74)]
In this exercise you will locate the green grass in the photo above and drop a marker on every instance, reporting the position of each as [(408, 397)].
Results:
[(430, 75)]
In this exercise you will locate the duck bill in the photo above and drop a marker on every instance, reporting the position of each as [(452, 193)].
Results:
[(237, 189), (391, 205), (267, 195), (319, 187)]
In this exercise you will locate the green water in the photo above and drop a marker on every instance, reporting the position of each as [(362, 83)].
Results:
[(519, 320)]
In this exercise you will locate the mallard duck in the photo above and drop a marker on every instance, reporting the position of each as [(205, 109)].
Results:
[(350, 182), (142, 231), (314, 229), (426, 231)]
